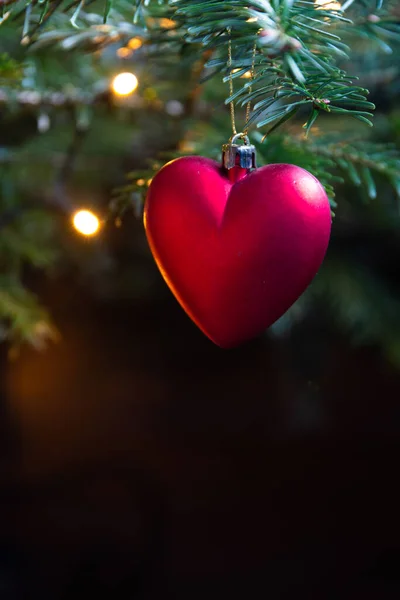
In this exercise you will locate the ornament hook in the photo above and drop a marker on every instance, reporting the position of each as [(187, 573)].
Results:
[(240, 136), (234, 155)]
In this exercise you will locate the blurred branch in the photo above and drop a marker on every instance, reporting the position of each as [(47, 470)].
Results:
[(298, 47), (196, 87), (9, 216), (56, 99), (360, 161), (80, 131)]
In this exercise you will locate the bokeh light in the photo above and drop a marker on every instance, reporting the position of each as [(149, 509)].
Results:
[(86, 222), (135, 43), (124, 52), (124, 84), (328, 4)]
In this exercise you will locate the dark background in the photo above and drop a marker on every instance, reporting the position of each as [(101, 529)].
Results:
[(138, 460)]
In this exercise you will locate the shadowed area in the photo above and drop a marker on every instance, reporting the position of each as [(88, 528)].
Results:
[(147, 460)]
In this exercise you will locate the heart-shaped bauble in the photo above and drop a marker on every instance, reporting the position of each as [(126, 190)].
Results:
[(236, 254)]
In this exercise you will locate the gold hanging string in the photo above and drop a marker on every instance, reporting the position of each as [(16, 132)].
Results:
[(232, 104), (248, 107)]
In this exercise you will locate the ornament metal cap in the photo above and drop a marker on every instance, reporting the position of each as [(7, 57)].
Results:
[(235, 155)]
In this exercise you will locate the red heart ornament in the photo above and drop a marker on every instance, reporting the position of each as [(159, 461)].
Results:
[(236, 254)]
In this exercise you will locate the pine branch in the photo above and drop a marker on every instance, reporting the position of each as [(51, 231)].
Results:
[(333, 93), (360, 162), (21, 316), (330, 158), (353, 293), (376, 22), (299, 45), (350, 294), (295, 61)]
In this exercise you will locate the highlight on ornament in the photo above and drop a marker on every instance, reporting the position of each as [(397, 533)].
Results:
[(124, 84), (86, 222)]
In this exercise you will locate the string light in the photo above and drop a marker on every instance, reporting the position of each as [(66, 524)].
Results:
[(327, 4), (124, 84), (124, 52), (135, 43), (167, 23), (86, 222), (246, 75)]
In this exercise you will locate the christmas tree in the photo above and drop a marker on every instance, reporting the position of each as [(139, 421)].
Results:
[(96, 96)]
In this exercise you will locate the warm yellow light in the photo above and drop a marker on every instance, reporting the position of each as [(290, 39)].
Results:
[(167, 23), (86, 222), (187, 147), (327, 4), (124, 84), (124, 52), (246, 75), (135, 43)]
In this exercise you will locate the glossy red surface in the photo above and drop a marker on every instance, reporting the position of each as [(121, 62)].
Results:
[(236, 254)]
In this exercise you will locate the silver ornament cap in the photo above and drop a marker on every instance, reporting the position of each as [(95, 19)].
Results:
[(236, 155)]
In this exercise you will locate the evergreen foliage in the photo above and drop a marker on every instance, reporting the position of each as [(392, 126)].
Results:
[(307, 87)]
